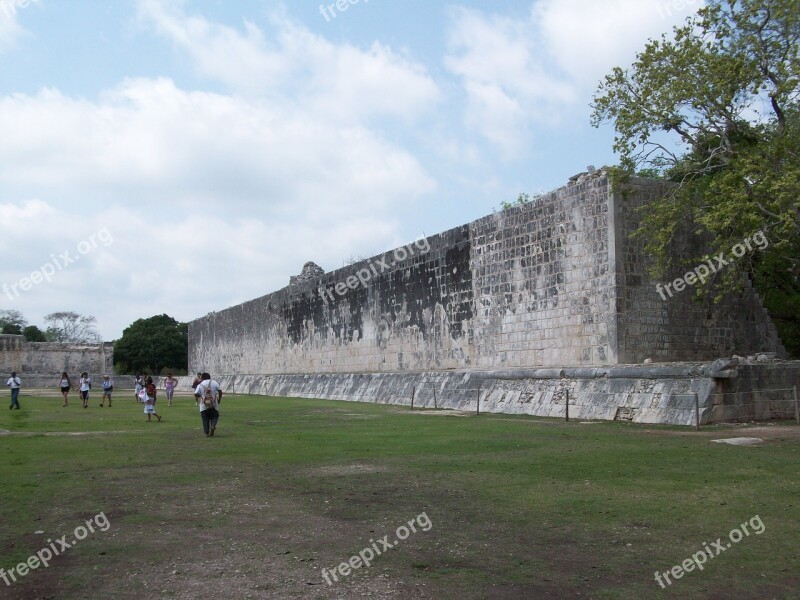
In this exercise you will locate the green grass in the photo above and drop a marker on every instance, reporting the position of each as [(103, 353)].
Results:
[(521, 507)]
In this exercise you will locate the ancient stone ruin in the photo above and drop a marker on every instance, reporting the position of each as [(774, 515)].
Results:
[(40, 363), (515, 312)]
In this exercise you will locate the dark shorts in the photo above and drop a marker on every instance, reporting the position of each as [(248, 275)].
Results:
[(85, 394), (64, 389)]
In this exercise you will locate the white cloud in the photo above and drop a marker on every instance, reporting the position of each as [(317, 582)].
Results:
[(340, 81), (290, 154), (588, 39), (506, 86), (542, 70), (152, 142), (241, 188), (10, 29)]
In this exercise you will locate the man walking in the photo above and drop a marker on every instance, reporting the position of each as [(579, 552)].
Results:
[(208, 395), (14, 383)]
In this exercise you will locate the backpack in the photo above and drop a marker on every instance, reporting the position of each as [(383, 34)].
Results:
[(208, 399)]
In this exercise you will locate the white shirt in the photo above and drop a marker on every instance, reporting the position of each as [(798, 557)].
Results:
[(85, 381), (14, 382), (201, 390)]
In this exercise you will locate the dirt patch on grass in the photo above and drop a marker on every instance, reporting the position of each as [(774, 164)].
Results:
[(436, 412), (352, 469), (58, 433), (242, 533), (766, 432)]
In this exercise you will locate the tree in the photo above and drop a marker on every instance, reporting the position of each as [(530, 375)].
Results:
[(725, 88), (153, 345), (11, 322), (33, 334), (71, 327)]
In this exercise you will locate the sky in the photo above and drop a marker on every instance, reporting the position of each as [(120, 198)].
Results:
[(183, 156)]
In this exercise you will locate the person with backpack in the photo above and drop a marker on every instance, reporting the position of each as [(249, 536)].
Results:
[(209, 395), (150, 400), (14, 383)]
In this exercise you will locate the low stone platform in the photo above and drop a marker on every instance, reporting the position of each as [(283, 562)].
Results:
[(670, 393)]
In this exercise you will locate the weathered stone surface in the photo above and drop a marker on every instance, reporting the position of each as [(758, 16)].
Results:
[(311, 271), (516, 311), (16, 354), (559, 282)]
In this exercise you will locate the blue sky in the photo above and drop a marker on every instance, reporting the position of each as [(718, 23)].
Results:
[(179, 157)]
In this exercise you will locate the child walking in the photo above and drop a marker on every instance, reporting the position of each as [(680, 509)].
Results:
[(138, 388), (150, 400)]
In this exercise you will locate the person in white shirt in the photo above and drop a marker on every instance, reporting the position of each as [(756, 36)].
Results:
[(14, 383), (86, 385), (209, 414), (139, 387)]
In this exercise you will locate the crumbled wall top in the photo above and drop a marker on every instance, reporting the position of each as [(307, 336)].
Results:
[(310, 272)]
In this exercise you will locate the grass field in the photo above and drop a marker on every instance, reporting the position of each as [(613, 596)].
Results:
[(514, 507)]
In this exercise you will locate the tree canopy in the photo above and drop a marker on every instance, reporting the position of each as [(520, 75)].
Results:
[(70, 327), (33, 334), (715, 110), (153, 345), (63, 327), (12, 322)]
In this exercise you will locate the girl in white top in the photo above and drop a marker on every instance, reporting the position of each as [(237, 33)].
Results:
[(86, 385), (65, 387)]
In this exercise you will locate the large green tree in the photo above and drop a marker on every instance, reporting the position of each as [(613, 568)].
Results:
[(152, 345), (715, 109), (33, 334)]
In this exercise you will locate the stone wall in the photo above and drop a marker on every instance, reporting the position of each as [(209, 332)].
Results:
[(49, 358), (13, 349), (543, 289), (760, 392), (677, 327), (556, 282)]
